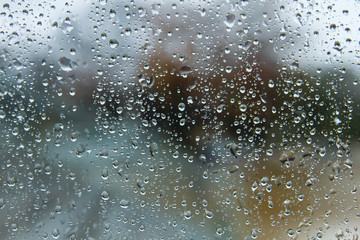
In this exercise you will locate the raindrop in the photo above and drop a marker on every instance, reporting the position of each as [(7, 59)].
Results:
[(228, 69), (243, 107), (153, 148), (103, 2), (124, 203), (271, 83), (65, 64), (282, 36), (230, 20), (181, 107), (291, 233), (2, 114), (14, 227), (105, 195), (209, 214), (113, 43), (112, 13), (188, 214), (233, 169), (185, 70), (105, 173), (220, 231), (55, 233)]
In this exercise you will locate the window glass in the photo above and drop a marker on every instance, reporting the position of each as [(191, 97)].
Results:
[(184, 119)]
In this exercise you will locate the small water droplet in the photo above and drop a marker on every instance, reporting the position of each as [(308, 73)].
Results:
[(113, 43), (209, 214), (105, 195), (14, 227), (181, 107), (15, 131), (228, 69), (187, 214), (2, 114), (105, 173), (243, 107), (124, 203), (271, 83), (220, 231), (72, 51), (282, 36), (291, 232), (55, 233), (103, 2), (112, 13)]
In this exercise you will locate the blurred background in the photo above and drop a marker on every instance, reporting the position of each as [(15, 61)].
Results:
[(179, 119)]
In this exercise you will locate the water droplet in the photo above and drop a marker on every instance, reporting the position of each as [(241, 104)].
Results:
[(321, 151), (142, 228), (17, 64), (2, 114), (233, 168), (181, 107), (105, 195), (105, 173), (269, 152), (264, 181), (66, 26), (185, 70), (254, 186), (310, 181), (2, 203), (209, 214), (301, 197), (15, 131), (243, 107), (80, 150), (230, 20), (135, 144), (72, 51), (291, 232), (45, 82), (187, 214), (55, 233), (65, 64), (103, 2), (124, 203), (128, 31), (228, 69), (153, 149), (282, 36), (182, 122), (271, 83), (287, 156), (112, 13), (113, 43), (249, 68), (220, 231), (14, 227), (202, 158)]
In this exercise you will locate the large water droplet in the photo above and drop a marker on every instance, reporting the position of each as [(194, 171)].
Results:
[(230, 20), (65, 64)]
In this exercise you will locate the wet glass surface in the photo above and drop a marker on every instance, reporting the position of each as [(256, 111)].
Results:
[(179, 119)]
